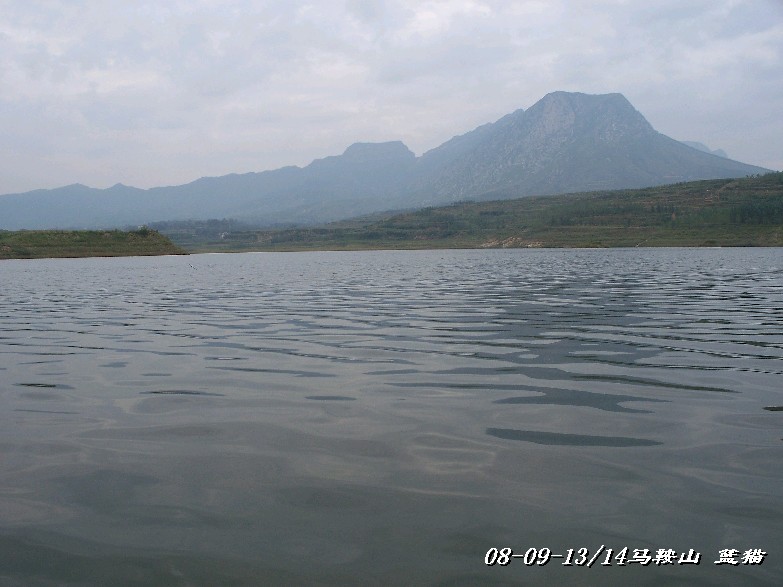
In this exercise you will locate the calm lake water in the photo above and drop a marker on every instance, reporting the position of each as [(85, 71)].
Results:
[(385, 418)]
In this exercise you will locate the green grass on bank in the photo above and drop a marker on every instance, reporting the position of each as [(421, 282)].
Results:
[(726, 212), (36, 244)]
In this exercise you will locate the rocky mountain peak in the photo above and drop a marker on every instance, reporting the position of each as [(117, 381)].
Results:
[(363, 152), (604, 117)]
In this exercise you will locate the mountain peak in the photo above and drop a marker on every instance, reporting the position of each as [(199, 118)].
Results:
[(378, 151), (582, 98), (705, 149), (586, 104), (606, 117)]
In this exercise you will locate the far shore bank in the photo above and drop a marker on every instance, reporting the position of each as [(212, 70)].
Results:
[(744, 212)]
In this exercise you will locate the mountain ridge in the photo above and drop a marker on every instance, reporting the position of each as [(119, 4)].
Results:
[(565, 142)]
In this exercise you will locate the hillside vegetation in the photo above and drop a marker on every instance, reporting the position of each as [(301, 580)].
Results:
[(723, 212), (36, 244)]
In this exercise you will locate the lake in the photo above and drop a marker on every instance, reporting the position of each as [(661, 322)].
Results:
[(388, 417)]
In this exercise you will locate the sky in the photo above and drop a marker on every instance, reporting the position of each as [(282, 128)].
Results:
[(146, 93)]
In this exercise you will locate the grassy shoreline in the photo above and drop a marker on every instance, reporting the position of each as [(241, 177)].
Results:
[(49, 244)]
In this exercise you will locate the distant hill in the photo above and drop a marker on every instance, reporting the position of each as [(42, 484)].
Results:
[(718, 212), (566, 142), (706, 149)]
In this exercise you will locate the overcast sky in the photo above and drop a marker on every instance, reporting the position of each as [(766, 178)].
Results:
[(160, 93)]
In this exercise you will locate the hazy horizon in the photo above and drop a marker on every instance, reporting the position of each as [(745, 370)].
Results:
[(149, 95)]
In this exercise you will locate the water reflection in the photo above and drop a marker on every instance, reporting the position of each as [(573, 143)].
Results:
[(559, 438), (569, 397)]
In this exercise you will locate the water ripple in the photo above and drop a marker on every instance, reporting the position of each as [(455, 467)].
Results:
[(561, 439), (377, 411)]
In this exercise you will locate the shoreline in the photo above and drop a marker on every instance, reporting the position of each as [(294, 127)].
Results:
[(76, 244)]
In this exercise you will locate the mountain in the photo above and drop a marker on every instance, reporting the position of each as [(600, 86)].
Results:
[(566, 142), (704, 148), (353, 183)]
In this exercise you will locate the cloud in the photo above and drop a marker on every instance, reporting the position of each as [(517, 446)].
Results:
[(150, 93)]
